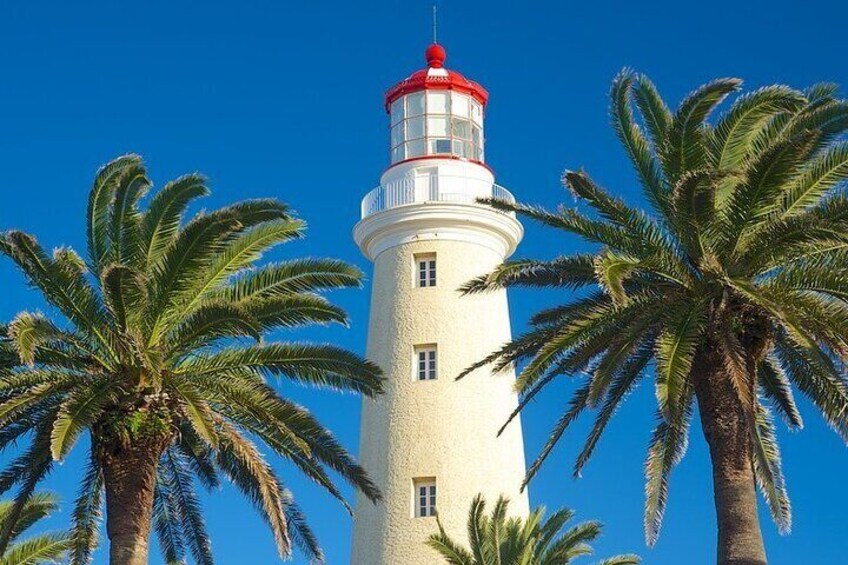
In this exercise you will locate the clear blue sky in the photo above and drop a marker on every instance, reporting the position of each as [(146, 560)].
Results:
[(285, 99)]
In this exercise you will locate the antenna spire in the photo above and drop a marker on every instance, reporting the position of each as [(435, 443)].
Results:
[(435, 25)]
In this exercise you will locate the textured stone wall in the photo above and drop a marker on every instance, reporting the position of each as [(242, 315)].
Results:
[(443, 428)]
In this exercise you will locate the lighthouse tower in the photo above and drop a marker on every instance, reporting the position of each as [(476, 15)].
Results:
[(430, 442)]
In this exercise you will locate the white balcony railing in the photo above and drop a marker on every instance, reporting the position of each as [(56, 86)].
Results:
[(431, 188)]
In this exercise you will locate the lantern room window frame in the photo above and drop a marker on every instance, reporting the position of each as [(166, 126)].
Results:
[(421, 125)]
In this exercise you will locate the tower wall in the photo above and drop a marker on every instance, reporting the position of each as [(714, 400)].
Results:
[(443, 428)]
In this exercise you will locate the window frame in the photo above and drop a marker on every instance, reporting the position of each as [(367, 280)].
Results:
[(425, 362), (425, 497), (425, 270)]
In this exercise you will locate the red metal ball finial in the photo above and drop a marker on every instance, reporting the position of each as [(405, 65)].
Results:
[(435, 56)]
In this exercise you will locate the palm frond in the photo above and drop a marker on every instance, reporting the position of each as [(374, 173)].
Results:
[(86, 516), (161, 221), (635, 144), (564, 272), (240, 460), (684, 149), (41, 549), (100, 202), (775, 387), (736, 130), (767, 470), (668, 445), (319, 365)]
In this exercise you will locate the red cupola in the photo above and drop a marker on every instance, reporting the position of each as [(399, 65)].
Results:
[(436, 112)]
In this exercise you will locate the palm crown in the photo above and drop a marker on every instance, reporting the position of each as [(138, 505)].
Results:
[(162, 360), (498, 539), (39, 549), (733, 290)]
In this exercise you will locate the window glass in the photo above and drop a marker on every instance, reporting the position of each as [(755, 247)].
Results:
[(437, 102), (414, 148), (397, 154), (425, 363), (415, 104), (476, 135), (437, 126), (440, 146), (425, 270), (461, 128), (459, 148), (470, 150), (425, 498), (397, 135), (414, 128), (476, 112), (459, 104), (397, 110)]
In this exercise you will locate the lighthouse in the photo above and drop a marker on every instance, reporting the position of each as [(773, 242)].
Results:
[(430, 442)]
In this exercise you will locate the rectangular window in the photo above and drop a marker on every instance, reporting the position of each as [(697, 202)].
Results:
[(425, 363), (461, 128), (397, 154), (425, 497), (397, 111), (415, 104), (414, 148), (459, 104), (439, 146), (414, 128), (437, 126), (476, 112), (425, 270), (397, 135), (437, 102)]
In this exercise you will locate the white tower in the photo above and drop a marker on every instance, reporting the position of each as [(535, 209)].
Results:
[(431, 441)]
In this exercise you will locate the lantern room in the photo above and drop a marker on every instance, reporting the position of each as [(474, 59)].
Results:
[(436, 112)]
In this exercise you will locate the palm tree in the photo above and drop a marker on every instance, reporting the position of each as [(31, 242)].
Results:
[(161, 359), (730, 292), (497, 539), (37, 550)]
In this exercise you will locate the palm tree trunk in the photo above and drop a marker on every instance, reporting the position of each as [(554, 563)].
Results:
[(725, 423), (130, 479)]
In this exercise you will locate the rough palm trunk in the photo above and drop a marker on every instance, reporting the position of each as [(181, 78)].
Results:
[(725, 423), (130, 479)]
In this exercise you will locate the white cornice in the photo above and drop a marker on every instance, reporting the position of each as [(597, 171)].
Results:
[(472, 223)]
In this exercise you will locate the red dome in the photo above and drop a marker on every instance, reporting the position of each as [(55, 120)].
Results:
[(435, 77)]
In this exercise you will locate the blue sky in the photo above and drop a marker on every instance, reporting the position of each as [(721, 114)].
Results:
[(285, 100)]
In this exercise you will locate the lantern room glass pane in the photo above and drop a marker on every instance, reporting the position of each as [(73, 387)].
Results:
[(476, 112), (397, 110), (459, 104), (459, 148), (461, 128), (397, 154), (437, 126), (476, 135), (397, 135), (415, 148), (415, 104), (437, 102), (440, 146), (414, 128)]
